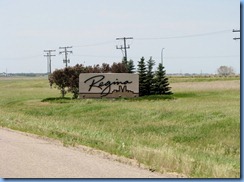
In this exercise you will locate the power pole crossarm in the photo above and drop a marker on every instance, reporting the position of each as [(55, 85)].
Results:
[(125, 47), (66, 60), (49, 55), (236, 38)]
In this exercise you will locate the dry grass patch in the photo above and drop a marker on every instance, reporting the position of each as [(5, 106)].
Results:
[(206, 86)]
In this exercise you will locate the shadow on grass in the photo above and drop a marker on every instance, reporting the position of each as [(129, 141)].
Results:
[(185, 95), (149, 97), (57, 99), (166, 97)]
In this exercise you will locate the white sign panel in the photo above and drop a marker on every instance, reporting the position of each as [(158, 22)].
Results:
[(110, 85)]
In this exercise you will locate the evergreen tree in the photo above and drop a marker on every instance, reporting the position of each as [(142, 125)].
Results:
[(161, 82), (142, 77), (150, 76), (130, 66), (124, 61)]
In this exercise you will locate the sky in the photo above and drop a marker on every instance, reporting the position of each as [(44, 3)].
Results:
[(190, 36)]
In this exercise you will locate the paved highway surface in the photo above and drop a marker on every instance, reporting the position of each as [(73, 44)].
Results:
[(29, 156)]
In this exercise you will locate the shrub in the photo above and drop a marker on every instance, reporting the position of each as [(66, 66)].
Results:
[(67, 79)]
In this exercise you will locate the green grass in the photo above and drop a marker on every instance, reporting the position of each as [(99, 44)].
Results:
[(195, 132)]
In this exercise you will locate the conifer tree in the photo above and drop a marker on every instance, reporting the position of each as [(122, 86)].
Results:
[(161, 82), (130, 66), (150, 76), (124, 61), (142, 77)]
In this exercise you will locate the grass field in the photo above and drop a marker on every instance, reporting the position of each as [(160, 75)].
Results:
[(196, 132)]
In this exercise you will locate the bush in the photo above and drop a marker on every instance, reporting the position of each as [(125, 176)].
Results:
[(67, 79)]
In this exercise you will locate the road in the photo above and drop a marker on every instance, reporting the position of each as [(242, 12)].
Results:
[(28, 156)]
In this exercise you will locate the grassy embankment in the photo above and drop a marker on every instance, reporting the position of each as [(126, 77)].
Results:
[(197, 132)]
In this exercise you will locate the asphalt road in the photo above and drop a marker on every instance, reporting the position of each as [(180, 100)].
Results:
[(27, 156)]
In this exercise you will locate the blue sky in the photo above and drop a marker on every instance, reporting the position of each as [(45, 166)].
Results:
[(197, 35)]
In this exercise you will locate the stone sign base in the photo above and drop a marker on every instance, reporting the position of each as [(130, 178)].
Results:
[(119, 95)]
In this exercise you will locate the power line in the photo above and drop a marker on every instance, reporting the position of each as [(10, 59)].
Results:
[(157, 38), (173, 57), (95, 56), (95, 44), (66, 60), (185, 36), (125, 47), (203, 57), (49, 55), (21, 58), (121, 47)]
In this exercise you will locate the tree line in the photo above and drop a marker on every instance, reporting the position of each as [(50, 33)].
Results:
[(150, 82)]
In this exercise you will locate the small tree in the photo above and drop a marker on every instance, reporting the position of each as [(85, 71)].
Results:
[(59, 78), (149, 76), (130, 66), (97, 68), (142, 77), (67, 79), (161, 82), (124, 61), (225, 71), (105, 68), (118, 68), (73, 75)]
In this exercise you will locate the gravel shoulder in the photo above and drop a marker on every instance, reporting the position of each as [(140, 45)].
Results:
[(24, 155)]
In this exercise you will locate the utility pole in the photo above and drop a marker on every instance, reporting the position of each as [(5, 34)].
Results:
[(236, 38), (125, 47), (66, 60), (49, 55), (162, 56)]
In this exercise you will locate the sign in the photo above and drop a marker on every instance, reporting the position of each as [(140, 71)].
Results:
[(108, 85)]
